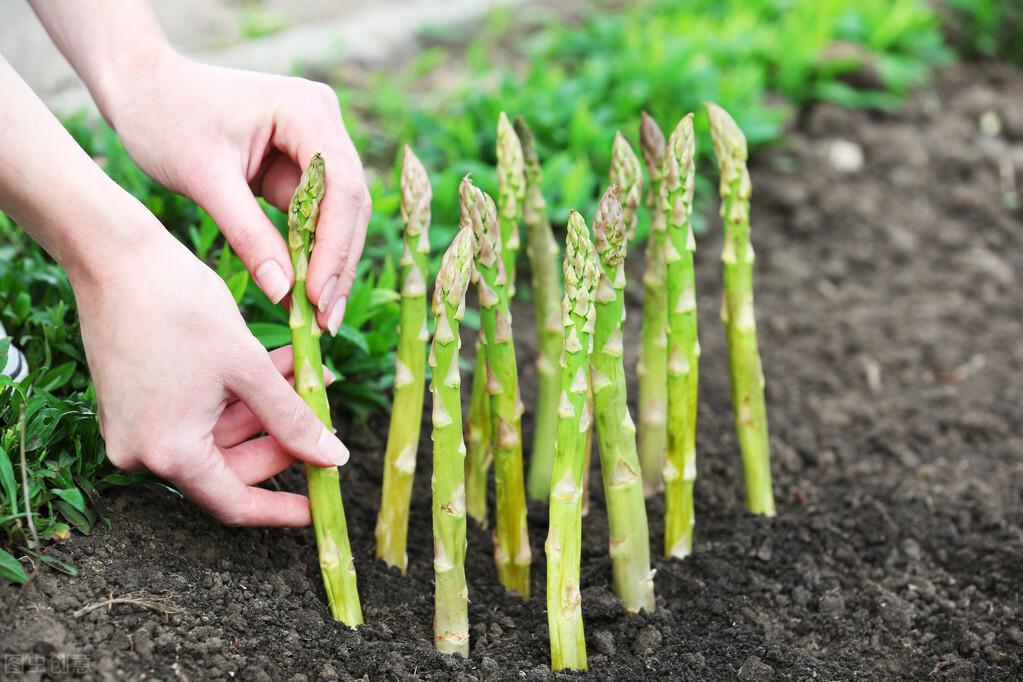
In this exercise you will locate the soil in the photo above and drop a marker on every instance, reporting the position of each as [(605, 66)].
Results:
[(891, 325)]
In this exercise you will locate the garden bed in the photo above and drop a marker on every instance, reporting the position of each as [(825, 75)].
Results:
[(890, 321)]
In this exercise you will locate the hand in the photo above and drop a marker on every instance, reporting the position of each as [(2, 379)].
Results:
[(223, 137), (182, 383)]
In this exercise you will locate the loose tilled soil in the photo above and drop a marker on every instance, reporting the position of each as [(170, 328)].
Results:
[(892, 333)]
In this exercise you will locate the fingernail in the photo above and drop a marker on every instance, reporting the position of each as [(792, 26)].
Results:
[(336, 315), (271, 279), (330, 378), (328, 291), (331, 448)]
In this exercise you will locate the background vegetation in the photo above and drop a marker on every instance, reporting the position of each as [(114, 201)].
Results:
[(576, 81)]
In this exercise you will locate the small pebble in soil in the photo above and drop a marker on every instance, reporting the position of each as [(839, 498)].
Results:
[(755, 670), (647, 641), (604, 642), (832, 603)]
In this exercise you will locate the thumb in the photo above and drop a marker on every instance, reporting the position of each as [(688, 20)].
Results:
[(259, 245), (284, 415)]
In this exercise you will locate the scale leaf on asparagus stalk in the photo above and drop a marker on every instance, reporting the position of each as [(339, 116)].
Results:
[(511, 537), (543, 252), (410, 372), (653, 355), (451, 596), (564, 538), (737, 314), (336, 563), (616, 432), (683, 341)]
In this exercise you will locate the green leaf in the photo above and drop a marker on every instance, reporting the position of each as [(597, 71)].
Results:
[(354, 336), (11, 568), (10, 488), (271, 335), (56, 377), (237, 284), (62, 566), (72, 496)]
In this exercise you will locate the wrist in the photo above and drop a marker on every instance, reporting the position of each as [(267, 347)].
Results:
[(111, 229), (115, 77)]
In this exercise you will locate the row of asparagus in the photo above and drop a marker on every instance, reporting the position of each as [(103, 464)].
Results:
[(580, 369)]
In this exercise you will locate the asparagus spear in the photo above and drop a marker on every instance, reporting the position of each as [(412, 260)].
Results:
[(511, 537), (543, 252), (564, 539), (410, 372), (336, 562), (619, 462), (653, 356), (683, 343), (511, 193), (451, 596), (477, 434), (737, 311), (626, 173)]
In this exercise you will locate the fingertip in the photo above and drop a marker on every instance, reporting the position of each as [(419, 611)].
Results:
[(330, 448)]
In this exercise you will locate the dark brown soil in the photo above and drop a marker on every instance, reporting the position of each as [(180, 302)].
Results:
[(892, 332)]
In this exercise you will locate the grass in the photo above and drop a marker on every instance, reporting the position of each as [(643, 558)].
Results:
[(576, 83)]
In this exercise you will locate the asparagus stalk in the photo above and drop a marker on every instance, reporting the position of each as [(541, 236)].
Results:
[(543, 252), (619, 461), (683, 342), (477, 434), (451, 596), (737, 311), (627, 175), (511, 193), (410, 371), (336, 562), (564, 539), (511, 537), (653, 356)]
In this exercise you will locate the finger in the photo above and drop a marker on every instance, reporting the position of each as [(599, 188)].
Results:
[(279, 180), (207, 480), (237, 423), (351, 267), (316, 127), (257, 460), (230, 202), (283, 414)]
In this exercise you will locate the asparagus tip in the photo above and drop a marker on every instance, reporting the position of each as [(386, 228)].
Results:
[(528, 142), (729, 140), (609, 228), (651, 141)]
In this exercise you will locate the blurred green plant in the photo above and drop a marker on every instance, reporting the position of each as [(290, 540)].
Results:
[(987, 28)]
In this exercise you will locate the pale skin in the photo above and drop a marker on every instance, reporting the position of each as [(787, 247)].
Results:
[(184, 388)]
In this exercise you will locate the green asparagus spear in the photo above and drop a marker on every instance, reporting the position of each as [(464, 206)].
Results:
[(336, 562), (627, 174), (564, 539), (619, 462), (511, 537), (737, 311), (653, 356), (451, 597), (477, 435), (511, 193), (683, 342), (410, 373), (543, 253)]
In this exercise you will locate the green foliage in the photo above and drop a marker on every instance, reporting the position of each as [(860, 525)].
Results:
[(988, 28), (578, 84)]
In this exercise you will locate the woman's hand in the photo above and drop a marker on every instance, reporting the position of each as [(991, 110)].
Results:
[(183, 385), (222, 137)]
